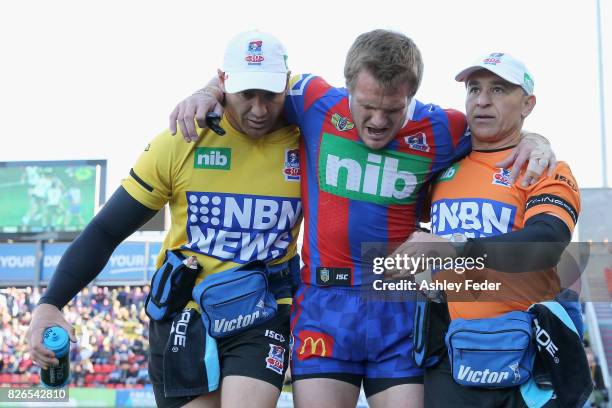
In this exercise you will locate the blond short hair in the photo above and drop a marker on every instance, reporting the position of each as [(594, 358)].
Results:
[(390, 57)]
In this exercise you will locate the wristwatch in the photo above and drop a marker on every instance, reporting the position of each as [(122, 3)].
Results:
[(458, 241)]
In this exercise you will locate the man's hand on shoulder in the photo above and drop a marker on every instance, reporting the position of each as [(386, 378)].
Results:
[(535, 148), (195, 108)]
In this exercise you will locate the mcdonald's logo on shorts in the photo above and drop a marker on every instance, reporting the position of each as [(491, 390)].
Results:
[(314, 344)]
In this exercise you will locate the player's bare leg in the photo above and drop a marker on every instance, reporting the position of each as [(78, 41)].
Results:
[(399, 396), (246, 392), (324, 392), (212, 400)]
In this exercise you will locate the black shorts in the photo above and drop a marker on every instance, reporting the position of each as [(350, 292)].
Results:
[(261, 353), (442, 391)]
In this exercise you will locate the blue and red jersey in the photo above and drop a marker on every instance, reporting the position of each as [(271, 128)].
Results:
[(353, 195)]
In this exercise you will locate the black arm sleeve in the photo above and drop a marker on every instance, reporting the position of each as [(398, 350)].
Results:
[(121, 216), (537, 246)]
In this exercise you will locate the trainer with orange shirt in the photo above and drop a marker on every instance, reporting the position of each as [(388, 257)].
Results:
[(479, 211)]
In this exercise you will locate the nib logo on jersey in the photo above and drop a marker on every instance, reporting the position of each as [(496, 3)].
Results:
[(213, 158), (350, 169), (240, 227), (474, 217)]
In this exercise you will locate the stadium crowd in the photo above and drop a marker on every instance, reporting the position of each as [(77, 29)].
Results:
[(113, 333), (111, 326)]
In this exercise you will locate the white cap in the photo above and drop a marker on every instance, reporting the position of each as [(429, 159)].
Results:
[(255, 60), (502, 65)]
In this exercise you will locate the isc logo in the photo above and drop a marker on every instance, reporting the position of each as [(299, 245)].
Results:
[(473, 217), (213, 158), (349, 169), (276, 336)]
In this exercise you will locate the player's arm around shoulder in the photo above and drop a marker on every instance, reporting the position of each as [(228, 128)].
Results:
[(304, 91), (456, 117), (457, 126), (298, 83), (457, 133)]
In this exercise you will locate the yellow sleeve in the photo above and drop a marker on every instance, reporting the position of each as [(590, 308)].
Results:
[(150, 180)]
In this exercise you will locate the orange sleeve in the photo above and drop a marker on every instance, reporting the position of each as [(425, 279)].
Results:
[(557, 194)]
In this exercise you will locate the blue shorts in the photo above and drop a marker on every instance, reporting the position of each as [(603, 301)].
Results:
[(336, 330)]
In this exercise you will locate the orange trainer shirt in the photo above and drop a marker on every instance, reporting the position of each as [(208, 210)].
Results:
[(476, 199)]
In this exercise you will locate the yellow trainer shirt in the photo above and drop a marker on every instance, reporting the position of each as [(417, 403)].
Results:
[(233, 199)]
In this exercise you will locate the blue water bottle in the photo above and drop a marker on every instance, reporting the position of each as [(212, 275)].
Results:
[(56, 339)]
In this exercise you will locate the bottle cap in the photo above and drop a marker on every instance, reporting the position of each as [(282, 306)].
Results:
[(56, 339)]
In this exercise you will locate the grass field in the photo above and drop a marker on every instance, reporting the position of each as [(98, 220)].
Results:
[(20, 211)]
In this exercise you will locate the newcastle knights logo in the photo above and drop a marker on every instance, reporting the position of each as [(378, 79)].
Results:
[(418, 141)]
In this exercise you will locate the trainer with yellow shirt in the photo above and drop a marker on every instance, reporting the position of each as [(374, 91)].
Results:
[(235, 207)]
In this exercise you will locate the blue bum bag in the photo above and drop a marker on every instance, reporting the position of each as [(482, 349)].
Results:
[(492, 353), (235, 300), (170, 287)]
